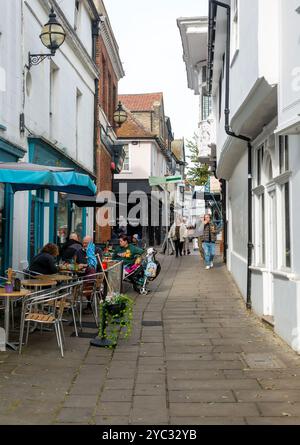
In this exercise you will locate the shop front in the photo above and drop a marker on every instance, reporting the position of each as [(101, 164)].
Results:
[(57, 216), (41, 181), (8, 153)]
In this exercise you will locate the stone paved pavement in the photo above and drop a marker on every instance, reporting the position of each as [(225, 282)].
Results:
[(210, 362)]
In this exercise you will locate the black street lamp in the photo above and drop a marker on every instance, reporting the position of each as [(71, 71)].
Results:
[(52, 36), (120, 115)]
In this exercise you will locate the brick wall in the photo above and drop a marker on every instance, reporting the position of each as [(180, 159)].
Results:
[(107, 100), (108, 85), (104, 182)]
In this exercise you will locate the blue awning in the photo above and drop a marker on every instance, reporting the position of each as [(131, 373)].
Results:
[(24, 176)]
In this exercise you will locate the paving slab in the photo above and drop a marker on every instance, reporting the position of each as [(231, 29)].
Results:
[(207, 421), (113, 408), (210, 362), (213, 409)]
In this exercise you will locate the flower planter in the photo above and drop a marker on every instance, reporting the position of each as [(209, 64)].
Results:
[(115, 309)]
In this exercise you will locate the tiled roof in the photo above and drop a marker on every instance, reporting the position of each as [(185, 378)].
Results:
[(132, 128), (140, 102)]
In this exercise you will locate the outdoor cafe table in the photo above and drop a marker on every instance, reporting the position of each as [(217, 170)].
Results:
[(38, 283), (56, 277), (7, 296)]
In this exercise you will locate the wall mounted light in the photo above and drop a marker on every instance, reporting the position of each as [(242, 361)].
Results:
[(119, 117), (52, 36)]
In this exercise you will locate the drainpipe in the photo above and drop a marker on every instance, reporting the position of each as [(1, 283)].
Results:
[(214, 4)]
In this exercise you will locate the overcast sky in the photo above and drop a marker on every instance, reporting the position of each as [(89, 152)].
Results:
[(151, 53)]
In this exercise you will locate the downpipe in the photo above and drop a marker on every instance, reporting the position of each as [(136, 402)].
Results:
[(229, 132)]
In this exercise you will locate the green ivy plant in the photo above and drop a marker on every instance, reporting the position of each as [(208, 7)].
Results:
[(115, 318)]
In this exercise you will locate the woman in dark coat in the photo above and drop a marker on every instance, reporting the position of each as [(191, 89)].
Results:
[(45, 262)]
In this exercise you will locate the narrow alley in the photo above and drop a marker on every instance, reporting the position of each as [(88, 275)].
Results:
[(195, 356)]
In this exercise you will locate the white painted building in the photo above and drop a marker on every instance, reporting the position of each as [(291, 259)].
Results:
[(48, 111), (146, 157), (264, 104), (194, 34)]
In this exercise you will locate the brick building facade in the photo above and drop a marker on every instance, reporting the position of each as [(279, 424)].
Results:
[(111, 71)]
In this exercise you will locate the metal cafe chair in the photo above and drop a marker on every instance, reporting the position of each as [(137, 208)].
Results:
[(91, 292), (34, 311), (73, 292), (12, 303)]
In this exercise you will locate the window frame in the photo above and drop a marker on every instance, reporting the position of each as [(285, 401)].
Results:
[(128, 155), (286, 259), (259, 164), (283, 154), (235, 30)]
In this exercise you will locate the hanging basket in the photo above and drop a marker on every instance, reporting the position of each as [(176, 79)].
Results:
[(115, 308)]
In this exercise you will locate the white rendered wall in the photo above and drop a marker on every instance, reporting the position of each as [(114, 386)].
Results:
[(20, 230), (140, 162), (294, 143), (159, 165), (257, 296), (72, 76), (256, 58), (11, 71), (287, 311), (238, 202), (289, 87)]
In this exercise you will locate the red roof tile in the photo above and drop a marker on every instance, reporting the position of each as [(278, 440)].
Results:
[(140, 102)]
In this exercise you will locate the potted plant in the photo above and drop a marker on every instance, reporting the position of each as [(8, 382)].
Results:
[(115, 320)]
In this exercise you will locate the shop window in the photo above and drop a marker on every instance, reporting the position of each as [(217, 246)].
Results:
[(78, 222), (62, 219)]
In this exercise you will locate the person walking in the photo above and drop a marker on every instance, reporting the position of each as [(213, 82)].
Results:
[(186, 243), (169, 242), (178, 233), (209, 241), (198, 234)]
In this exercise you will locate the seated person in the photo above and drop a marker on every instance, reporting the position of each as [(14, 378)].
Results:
[(45, 262), (86, 256), (70, 248), (126, 252)]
